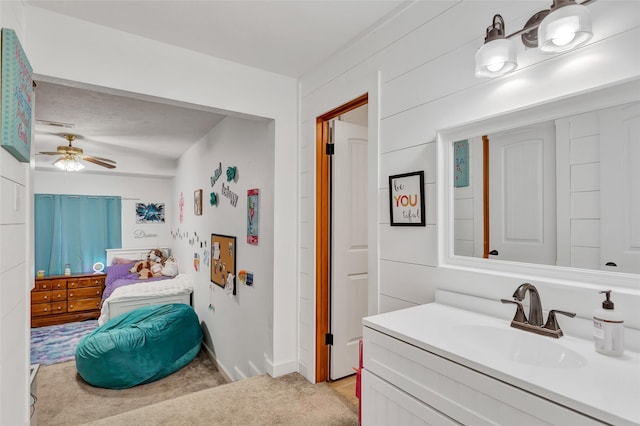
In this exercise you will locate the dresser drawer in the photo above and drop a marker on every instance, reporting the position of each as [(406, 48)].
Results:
[(40, 296), (85, 282), (48, 296), (51, 284), (41, 309), (84, 293), (83, 305)]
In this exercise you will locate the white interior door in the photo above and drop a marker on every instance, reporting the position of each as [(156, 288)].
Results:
[(349, 246), (522, 205), (620, 190)]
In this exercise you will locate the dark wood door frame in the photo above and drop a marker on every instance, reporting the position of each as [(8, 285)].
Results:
[(323, 240)]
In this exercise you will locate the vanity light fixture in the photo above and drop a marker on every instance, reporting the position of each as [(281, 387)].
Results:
[(564, 26), (498, 54)]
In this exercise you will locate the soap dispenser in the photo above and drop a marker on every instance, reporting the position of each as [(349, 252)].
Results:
[(608, 330)]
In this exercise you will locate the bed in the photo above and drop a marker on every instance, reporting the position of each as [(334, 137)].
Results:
[(140, 293)]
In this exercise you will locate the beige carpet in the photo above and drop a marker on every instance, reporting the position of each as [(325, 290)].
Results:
[(190, 396), (65, 399), (261, 400)]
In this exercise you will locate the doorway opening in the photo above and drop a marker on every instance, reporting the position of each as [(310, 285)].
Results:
[(324, 257)]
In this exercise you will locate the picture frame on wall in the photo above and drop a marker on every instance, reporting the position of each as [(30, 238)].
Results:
[(406, 199), (253, 214), (197, 202), (149, 213), (461, 164), (17, 98), (223, 261)]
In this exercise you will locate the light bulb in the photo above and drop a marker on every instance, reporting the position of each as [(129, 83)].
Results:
[(495, 58), (564, 29), (495, 67)]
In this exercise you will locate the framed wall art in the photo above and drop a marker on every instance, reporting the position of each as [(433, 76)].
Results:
[(197, 202), (253, 200), (223, 261), (461, 166), (406, 199), (150, 213), (17, 98)]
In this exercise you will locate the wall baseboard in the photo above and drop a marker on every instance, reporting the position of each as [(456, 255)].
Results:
[(225, 373), (277, 370)]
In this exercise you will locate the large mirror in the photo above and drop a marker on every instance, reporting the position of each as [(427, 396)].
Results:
[(555, 185)]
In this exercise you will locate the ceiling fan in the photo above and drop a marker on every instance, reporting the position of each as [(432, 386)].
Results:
[(71, 156)]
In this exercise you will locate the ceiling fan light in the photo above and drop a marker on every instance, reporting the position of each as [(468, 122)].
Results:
[(69, 164), (564, 29), (496, 57)]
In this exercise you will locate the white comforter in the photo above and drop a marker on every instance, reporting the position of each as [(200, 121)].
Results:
[(181, 284)]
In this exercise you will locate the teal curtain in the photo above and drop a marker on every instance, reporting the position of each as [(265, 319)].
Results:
[(75, 229)]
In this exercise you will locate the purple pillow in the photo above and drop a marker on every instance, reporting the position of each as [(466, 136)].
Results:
[(117, 271)]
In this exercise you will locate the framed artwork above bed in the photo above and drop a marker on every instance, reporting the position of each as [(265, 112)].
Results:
[(223, 261)]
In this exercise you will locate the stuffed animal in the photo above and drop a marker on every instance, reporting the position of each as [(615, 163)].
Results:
[(156, 255), (146, 269), (140, 265), (156, 269), (170, 268), (145, 274)]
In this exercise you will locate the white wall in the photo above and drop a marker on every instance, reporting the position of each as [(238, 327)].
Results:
[(74, 50), (132, 190), (425, 60), (238, 329), (16, 265)]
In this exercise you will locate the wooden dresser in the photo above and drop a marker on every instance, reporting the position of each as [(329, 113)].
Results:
[(66, 298)]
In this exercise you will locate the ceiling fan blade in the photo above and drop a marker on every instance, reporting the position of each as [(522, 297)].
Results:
[(98, 162), (106, 160), (50, 153)]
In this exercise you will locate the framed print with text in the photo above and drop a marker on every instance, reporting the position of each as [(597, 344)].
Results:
[(406, 199)]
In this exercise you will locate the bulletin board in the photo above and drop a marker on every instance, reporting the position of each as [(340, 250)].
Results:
[(223, 261)]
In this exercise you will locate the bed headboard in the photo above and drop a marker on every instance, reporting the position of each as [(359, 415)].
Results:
[(133, 253)]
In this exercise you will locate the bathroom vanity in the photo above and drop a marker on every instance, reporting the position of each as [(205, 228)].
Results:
[(441, 365)]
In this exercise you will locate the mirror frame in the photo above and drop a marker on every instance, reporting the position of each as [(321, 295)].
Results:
[(591, 100)]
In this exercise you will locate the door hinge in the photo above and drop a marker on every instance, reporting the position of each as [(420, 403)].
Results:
[(328, 339), (330, 149)]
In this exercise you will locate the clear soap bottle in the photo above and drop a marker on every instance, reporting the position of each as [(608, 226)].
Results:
[(608, 333)]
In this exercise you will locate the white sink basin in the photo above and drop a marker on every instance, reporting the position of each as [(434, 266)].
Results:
[(519, 346)]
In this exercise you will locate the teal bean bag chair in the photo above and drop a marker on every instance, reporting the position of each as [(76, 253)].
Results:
[(140, 346)]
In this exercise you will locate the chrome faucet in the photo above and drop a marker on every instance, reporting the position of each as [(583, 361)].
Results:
[(535, 306), (535, 320)]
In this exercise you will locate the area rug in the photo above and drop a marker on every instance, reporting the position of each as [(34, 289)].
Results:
[(57, 343)]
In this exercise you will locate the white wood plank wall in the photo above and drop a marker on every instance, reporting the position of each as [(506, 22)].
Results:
[(419, 68)]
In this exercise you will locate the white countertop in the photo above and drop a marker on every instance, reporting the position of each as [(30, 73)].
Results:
[(603, 387)]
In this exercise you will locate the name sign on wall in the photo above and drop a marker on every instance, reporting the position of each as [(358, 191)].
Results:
[(17, 97), (406, 199)]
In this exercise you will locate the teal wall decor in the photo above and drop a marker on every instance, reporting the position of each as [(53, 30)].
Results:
[(461, 166), (213, 199), (231, 173), (17, 97)]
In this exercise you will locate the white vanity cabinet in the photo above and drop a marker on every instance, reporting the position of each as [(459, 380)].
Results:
[(409, 379)]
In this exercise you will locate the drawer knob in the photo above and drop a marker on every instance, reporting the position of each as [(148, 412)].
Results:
[(45, 309), (59, 296), (46, 297), (71, 306), (44, 286), (59, 307), (70, 294), (97, 291)]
